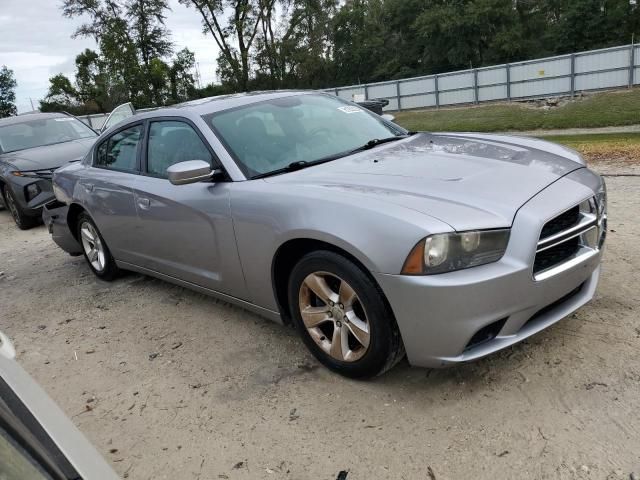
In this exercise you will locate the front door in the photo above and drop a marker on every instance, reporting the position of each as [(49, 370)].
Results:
[(185, 231)]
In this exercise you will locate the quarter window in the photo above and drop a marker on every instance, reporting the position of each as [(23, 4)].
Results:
[(172, 142), (120, 151)]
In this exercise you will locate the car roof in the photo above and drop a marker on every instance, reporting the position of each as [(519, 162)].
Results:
[(29, 116), (204, 106)]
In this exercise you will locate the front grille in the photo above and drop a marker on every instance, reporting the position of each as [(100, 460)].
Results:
[(563, 237), (555, 255), (562, 222)]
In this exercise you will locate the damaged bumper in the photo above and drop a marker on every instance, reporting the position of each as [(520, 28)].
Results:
[(54, 216)]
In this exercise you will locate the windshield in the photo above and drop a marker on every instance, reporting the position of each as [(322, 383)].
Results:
[(42, 131), (267, 136)]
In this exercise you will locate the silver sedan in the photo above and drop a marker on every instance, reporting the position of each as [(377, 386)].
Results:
[(373, 241)]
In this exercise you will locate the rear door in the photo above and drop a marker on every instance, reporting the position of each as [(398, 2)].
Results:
[(108, 188), (185, 231)]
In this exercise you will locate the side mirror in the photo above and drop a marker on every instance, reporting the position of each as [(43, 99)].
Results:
[(388, 117), (191, 171)]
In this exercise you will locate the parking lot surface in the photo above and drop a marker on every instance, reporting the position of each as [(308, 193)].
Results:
[(168, 383)]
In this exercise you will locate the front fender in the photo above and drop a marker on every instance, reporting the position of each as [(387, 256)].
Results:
[(379, 234)]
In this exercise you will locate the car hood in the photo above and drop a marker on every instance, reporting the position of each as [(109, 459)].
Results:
[(48, 156), (469, 181)]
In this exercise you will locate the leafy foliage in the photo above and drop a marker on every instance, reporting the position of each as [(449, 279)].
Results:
[(8, 85), (269, 44)]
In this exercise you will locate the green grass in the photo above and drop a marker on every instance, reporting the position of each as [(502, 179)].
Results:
[(596, 139), (600, 110), (617, 149)]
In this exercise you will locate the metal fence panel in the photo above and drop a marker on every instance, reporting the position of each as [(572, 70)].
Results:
[(420, 85), (452, 81), (492, 76), (419, 101), (382, 90), (591, 62), (456, 96), (540, 69), (496, 92), (541, 88), (594, 81)]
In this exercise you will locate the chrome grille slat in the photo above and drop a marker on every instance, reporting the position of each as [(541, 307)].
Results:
[(586, 222), (568, 239)]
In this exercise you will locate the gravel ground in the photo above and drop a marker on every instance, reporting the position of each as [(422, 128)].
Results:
[(172, 384)]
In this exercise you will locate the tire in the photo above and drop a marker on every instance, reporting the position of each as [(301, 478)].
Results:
[(95, 250), (360, 303), (23, 221)]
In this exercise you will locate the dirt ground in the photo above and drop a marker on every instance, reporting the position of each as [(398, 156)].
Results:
[(172, 384)]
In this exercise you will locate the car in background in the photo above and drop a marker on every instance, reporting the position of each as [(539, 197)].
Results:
[(314, 211), (37, 440), (32, 147)]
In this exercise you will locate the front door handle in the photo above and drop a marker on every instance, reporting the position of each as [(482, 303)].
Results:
[(144, 202), (89, 187)]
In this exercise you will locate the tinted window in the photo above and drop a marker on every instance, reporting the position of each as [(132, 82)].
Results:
[(268, 135), (173, 142), (42, 131), (119, 152)]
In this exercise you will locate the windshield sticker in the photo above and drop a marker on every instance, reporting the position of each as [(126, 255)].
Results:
[(350, 109), (65, 119)]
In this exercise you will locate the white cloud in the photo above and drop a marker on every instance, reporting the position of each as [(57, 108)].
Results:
[(36, 43)]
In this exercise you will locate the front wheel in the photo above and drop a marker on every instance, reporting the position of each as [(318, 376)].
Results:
[(342, 316), (95, 250), (23, 221)]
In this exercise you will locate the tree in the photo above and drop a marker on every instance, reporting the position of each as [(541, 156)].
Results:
[(181, 81), (132, 40), (234, 37), (294, 51), (7, 93)]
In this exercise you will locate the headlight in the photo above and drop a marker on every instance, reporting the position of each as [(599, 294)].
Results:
[(446, 252), (32, 191)]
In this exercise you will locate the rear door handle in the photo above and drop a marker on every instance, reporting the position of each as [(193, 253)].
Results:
[(144, 202), (89, 187)]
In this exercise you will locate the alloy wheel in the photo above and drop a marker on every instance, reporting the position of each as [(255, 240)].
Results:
[(93, 247), (334, 316), (11, 205)]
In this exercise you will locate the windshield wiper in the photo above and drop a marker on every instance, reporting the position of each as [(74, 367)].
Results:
[(377, 141), (292, 167), (299, 165)]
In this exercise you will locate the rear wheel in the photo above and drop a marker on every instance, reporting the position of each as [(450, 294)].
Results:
[(342, 316), (95, 249), (23, 221)]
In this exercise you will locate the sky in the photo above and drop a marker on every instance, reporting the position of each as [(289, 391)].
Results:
[(36, 43)]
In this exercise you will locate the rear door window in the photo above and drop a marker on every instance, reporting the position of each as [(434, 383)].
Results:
[(120, 151)]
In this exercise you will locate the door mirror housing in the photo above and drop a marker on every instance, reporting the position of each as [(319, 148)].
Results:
[(388, 117), (191, 171)]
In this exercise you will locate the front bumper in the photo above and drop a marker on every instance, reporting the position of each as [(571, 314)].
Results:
[(441, 316), (54, 216), (31, 206)]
